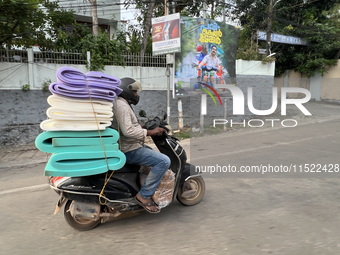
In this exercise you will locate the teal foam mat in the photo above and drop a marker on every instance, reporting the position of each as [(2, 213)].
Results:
[(83, 163), (67, 141)]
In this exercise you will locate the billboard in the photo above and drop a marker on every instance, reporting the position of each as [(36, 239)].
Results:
[(207, 59), (166, 34)]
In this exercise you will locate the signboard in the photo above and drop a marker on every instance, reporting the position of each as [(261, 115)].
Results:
[(262, 51), (166, 34), (282, 38), (206, 63)]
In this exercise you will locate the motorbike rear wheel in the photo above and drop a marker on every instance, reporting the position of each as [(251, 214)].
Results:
[(80, 224), (192, 191)]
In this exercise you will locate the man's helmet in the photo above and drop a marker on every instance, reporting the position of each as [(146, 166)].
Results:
[(199, 49), (129, 86)]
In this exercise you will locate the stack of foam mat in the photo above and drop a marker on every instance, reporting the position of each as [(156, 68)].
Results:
[(80, 105), (80, 153), (72, 108)]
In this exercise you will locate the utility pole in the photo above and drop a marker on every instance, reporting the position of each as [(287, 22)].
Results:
[(167, 72), (269, 27), (212, 11), (94, 17), (223, 11), (147, 27), (203, 96)]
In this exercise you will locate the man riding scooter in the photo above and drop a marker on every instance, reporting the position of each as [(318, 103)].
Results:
[(132, 137), (212, 63)]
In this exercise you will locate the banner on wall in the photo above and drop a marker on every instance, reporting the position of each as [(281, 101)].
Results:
[(207, 59), (166, 34)]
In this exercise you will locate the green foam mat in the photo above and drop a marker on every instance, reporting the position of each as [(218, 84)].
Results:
[(67, 141), (75, 164)]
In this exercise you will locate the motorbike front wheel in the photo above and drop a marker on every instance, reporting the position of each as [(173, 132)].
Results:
[(192, 191), (80, 224)]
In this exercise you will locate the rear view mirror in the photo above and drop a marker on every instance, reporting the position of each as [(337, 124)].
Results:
[(142, 113), (164, 115)]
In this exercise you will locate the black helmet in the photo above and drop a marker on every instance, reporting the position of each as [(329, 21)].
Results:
[(129, 86)]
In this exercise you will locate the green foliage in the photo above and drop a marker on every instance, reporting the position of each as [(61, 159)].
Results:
[(70, 39), (22, 23), (134, 42), (26, 87), (249, 50), (46, 84), (316, 21), (103, 50)]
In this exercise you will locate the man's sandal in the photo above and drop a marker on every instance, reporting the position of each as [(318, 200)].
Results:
[(144, 205)]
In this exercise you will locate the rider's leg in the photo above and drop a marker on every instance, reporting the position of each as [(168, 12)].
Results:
[(205, 78), (212, 80), (159, 163)]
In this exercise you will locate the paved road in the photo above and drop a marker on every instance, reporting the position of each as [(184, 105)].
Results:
[(289, 213)]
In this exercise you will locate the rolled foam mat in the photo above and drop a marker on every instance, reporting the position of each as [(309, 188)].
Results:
[(70, 125), (59, 113), (72, 76), (64, 141), (79, 104), (69, 75), (82, 91), (76, 164), (95, 77)]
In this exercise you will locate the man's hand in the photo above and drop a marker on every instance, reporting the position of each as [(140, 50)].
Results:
[(156, 131)]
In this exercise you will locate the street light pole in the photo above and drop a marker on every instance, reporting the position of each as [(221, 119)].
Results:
[(203, 96), (167, 72)]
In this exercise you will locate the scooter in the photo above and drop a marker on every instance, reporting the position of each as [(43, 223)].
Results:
[(200, 77), (86, 206)]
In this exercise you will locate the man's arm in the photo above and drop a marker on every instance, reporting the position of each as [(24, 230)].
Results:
[(133, 131), (123, 115), (203, 62)]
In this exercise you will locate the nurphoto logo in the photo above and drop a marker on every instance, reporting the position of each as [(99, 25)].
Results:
[(238, 106)]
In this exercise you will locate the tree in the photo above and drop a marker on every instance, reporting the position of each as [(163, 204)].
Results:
[(94, 17), (30, 22), (135, 37), (103, 50), (147, 27), (315, 21), (149, 9)]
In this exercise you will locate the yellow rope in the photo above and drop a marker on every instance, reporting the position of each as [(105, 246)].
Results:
[(107, 163), (117, 118)]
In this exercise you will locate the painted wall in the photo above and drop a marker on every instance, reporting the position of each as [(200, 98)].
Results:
[(17, 74), (325, 88), (330, 84)]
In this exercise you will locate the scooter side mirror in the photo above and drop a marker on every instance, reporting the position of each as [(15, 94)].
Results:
[(164, 115), (142, 113)]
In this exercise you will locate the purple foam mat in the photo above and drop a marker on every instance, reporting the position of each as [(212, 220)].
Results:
[(73, 83), (82, 92), (72, 76)]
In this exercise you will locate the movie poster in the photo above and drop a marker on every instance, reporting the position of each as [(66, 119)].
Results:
[(207, 58)]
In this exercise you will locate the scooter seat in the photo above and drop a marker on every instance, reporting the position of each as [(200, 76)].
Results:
[(129, 168)]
